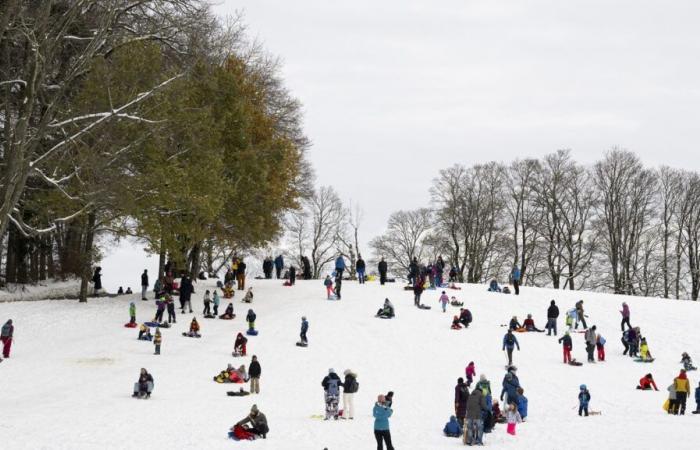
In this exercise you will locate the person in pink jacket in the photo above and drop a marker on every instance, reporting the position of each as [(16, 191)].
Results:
[(471, 372), (625, 316), (444, 299)]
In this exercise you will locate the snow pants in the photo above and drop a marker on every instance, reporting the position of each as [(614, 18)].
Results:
[(383, 435), (589, 349), (601, 352), (583, 409), (361, 276), (625, 320), (348, 405), (329, 291), (516, 287), (331, 405), (6, 344), (254, 385), (551, 326), (511, 428), (144, 290), (680, 402), (475, 431), (567, 355)]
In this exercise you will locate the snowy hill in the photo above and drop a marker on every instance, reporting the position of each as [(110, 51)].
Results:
[(69, 380)]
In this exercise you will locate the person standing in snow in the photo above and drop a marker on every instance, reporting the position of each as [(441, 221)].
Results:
[(512, 418), (339, 266), (97, 280), (250, 318), (476, 406), (170, 305), (515, 278), (144, 284), (461, 397), (625, 316), (413, 271), (360, 268), (381, 412), (567, 346), (304, 329), (580, 316), (382, 268), (331, 387), (584, 397), (552, 315), (510, 385), (186, 290), (444, 300), (216, 300), (157, 340), (600, 346), (338, 284), (417, 291), (279, 265), (254, 372), (682, 388), (132, 313), (590, 338), (328, 283), (470, 372), (510, 342), (207, 303), (292, 275), (6, 334), (697, 400), (522, 403), (350, 387), (306, 267), (267, 267), (240, 275)]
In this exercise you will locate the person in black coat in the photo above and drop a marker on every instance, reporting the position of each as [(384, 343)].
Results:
[(360, 268), (338, 285), (292, 275), (144, 284), (382, 267), (267, 268), (306, 268), (144, 386), (552, 314), (254, 372), (97, 279), (186, 290), (461, 397), (413, 271)]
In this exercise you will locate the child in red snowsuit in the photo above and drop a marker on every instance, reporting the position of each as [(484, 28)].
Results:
[(567, 345), (600, 345), (646, 383)]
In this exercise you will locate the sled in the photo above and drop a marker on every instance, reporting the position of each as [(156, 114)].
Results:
[(192, 335), (240, 393), (286, 283), (237, 355), (456, 288), (408, 288), (157, 325), (130, 325), (595, 413), (333, 297), (302, 344), (457, 304), (573, 362), (209, 316), (384, 317), (252, 332), (233, 316), (424, 307), (644, 360)]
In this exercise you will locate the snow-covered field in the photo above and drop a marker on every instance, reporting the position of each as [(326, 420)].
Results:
[(69, 380)]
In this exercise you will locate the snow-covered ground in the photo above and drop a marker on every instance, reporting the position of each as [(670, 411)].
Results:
[(69, 380), (40, 291)]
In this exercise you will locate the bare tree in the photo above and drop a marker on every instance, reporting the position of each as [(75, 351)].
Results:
[(627, 193), (326, 216), (404, 238), (670, 192)]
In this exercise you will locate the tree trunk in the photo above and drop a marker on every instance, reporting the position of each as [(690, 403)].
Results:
[(87, 257), (161, 257)]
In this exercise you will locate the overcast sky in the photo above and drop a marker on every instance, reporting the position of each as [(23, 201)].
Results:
[(395, 90)]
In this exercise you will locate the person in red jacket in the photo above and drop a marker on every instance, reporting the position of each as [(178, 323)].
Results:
[(529, 324), (8, 330), (646, 383)]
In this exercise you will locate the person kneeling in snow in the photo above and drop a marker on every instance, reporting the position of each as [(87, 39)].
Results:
[(258, 428), (239, 347), (452, 428), (465, 317), (646, 383), (143, 387)]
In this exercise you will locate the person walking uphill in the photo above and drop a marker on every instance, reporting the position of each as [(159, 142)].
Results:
[(144, 284), (8, 330), (515, 278), (381, 412), (567, 346), (510, 342), (461, 397), (279, 265), (552, 315), (625, 316)]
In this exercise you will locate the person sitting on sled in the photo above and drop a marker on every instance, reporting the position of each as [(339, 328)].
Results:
[(455, 302), (228, 314), (239, 347), (455, 323), (687, 362), (144, 333), (646, 383), (258, 426), (514, 324), (644, 353), (529, 324), (194, 328), (143, 387), (387, 310), (494, 287)]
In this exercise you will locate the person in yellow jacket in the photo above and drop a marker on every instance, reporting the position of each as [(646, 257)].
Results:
[(682, 386), (644, 353), (157, 339)]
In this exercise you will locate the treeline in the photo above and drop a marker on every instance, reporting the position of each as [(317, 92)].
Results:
[(142, 118), (616, 226)]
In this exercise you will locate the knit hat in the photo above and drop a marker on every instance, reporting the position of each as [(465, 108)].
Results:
[(254, 409), (482, 377), (582, 387), (331, 371), (303, 317)]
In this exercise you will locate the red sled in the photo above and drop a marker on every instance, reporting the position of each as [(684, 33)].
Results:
[(131, 325)]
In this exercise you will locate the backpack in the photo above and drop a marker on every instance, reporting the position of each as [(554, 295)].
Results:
[(353, 387), (510, 339), (332, 387)]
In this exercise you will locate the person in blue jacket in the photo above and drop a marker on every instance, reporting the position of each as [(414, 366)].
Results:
[(522, 403), (279, 265), (515, 278), (584, 397), (339, 266), (510, 342), (511, 383), (381, 413), (304, 329), (452, 428), (697, 400)]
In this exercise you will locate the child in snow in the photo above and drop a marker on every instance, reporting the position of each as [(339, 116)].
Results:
[(216, 300), (328, 283), (170, 303), (570, 318), (132, 313), (129, 291), (145, 333), (514, 324), (304, 329), (567, 345), (248, 298), (455, 323), (444, 299), (522, 404), (512, 417), (194, 329), (239, 347), (387, 310), (452, 428), (644, 353), (471, 373), (228, 314), (646, 383), (687, 362), (583, 398), (120, 291), (254, 372), (144, 386), (157, 339), (455, 302), (160, 309), (493, 286), (600, 346), (250, 318), (207, 304)]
